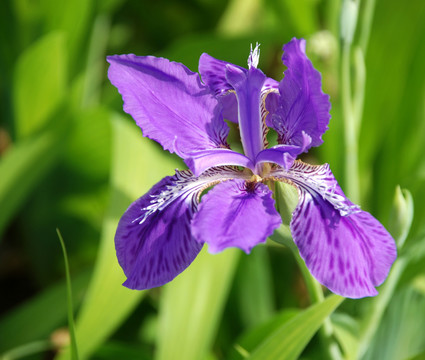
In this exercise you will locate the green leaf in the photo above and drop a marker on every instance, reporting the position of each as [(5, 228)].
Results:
[(400, 333), (28, 322), (346, 331), (72, 17), (291, 338), (254, 287), (23, 166), (39, 83), (192, 304), (108, 303), (255, 336)]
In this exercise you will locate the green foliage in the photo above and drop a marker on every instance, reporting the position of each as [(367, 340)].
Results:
[(288, 341)]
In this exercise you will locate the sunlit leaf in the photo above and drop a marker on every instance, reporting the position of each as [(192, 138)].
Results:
[(39, 83), (23, 166), (290, 339), (192, 304), (400, 333), (108, 303), (255, 336)]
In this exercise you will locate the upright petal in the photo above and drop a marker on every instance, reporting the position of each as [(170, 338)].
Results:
[(153, 240), (235, 213), (169, 103), (345, 249), (213, 74), (248, 87), (302, 104)]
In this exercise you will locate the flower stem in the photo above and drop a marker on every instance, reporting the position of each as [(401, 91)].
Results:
[(350, 126), (282, 236)]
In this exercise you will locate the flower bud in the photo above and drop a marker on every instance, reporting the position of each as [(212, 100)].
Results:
[(348, 20), (401, 215)]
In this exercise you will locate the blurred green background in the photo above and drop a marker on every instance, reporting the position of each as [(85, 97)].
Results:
[(70, 158)]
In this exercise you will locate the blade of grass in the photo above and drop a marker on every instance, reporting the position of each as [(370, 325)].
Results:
[(70, 308)]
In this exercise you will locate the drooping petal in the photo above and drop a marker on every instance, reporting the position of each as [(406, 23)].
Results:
[(235, 213), (153, 240), (302, 104), (345, 249), (248, 86), (169, 103), (200, 161)]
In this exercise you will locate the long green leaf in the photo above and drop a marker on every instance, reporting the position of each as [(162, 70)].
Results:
[(23, 166), (137, 163), (289, 341), (39, 83), (192, 304)]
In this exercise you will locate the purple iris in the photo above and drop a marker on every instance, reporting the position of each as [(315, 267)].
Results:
[(160, 234)]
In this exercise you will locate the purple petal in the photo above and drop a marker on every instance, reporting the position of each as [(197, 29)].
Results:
[(213, 74), (345, 249), (153, 240), (302, 104), (169, 103), (248, 86), (235, 213), (202, 160), (283, 155)]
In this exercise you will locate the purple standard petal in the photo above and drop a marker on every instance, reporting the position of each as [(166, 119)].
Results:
[(248, 87), (169, 103), (213, 74), (153, 240), (349, 254), (302, 104), (235, 213)]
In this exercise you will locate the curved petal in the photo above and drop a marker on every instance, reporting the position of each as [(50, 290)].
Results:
[(349, 254), (153, 240), (302, 104), (169, 103), (235, 213), (283, 155), (202, 160)]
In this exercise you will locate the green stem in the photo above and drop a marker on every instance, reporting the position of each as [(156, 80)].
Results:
[(350, 126), (368, 12), (315, 292)]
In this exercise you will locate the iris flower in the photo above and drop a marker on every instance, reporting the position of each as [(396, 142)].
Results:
[(345, 249)]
